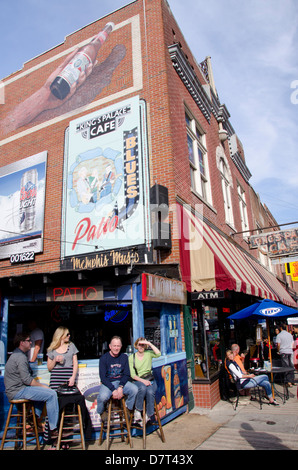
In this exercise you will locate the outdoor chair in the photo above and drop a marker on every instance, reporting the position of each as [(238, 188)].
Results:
[(116, 423), (256, 393), (24, 413), (156, 423)]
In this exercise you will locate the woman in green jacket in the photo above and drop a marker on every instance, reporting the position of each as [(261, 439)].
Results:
[(140, 364)]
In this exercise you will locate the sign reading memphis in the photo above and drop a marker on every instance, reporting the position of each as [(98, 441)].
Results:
[(103, 207)]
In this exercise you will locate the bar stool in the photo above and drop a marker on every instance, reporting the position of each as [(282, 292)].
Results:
[(68, 424), (22, 416), (116, 423), (156, 423)]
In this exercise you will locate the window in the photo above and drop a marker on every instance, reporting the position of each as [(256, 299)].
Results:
[(243, 210), (226, 189), (207, 344), (198, 162)]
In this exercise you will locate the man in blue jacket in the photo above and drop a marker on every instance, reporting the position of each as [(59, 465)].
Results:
[(115, 377)]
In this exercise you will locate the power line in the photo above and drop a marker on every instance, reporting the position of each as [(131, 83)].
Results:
[(263, 228)]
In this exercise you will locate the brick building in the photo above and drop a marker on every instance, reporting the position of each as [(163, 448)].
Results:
[(119, 201)]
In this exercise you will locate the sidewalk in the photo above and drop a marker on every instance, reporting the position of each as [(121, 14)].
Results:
[(252, 428), (222, 428)]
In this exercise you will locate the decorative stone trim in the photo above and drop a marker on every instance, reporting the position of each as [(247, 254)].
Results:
[(190, 80)]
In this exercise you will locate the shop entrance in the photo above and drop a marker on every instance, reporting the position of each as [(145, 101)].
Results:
[(91, 325)]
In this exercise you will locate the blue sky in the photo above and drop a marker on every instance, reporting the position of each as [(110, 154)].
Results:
[(253, 48)]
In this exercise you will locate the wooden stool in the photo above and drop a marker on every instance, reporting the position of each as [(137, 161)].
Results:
[(22, 415), (116, 422), (66, 425), (156, 423)]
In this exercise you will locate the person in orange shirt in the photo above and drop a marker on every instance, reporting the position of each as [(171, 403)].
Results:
[(237, 358)]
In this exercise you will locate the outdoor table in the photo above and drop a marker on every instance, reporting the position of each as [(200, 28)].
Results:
[(273, 372)]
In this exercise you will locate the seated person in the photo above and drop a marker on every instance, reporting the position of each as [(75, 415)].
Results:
[(115, 377), (239, 359), (140, 364), (245, 381), (20, 384)]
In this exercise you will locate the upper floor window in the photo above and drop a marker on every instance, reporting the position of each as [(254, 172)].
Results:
[(198, 161), (243, 209), (226, 189)]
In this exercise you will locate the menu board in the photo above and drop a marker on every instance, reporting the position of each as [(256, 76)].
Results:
[(152, 330)]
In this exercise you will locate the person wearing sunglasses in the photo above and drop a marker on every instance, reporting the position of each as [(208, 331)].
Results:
[(20, 383), (62, 359), (62, 362), (140, 364)]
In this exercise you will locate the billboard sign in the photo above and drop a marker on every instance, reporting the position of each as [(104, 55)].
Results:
[(292, 270), (22, 201), (162, 289), (107, 63), (279, 243), (103, 204)]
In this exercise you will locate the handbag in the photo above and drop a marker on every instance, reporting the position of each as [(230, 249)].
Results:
[(66, 389), (148, 376)]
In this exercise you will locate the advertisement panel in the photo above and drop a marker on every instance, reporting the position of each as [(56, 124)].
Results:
[(162, 289), (103, 204), (292, 270), (103, 67), (22, 200), (279, 243)]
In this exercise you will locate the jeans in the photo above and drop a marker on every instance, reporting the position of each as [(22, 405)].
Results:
[(262, 381), (148, 393), (104, 394), (286, 361), (41, 396)]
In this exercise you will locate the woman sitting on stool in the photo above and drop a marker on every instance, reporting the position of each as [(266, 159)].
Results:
[(249, 380), (140, 364)]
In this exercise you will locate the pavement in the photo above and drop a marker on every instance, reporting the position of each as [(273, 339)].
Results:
[(221, 428)]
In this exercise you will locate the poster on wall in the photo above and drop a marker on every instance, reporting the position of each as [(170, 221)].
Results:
[(22, 200), (172, 387), (106, 63), (103, 204)]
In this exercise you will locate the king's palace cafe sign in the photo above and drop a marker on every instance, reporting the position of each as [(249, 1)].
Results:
[(161, 289)]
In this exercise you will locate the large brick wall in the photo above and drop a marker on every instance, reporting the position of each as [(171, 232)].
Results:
[(166, 98), (118, 71)]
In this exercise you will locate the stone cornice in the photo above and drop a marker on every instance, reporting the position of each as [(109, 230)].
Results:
[(190, 80)]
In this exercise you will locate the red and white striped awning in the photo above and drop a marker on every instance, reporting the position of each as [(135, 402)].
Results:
[(209, 261)]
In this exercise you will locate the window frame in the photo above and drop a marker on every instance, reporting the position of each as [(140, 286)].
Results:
[(226, 189), (198, 158), (243, 210)]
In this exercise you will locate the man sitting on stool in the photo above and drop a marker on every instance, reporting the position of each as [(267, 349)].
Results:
[(115, 377), (20, 384)]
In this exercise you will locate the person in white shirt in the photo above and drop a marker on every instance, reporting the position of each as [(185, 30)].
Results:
[(285, 342), (244, 381), (37, 338)]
